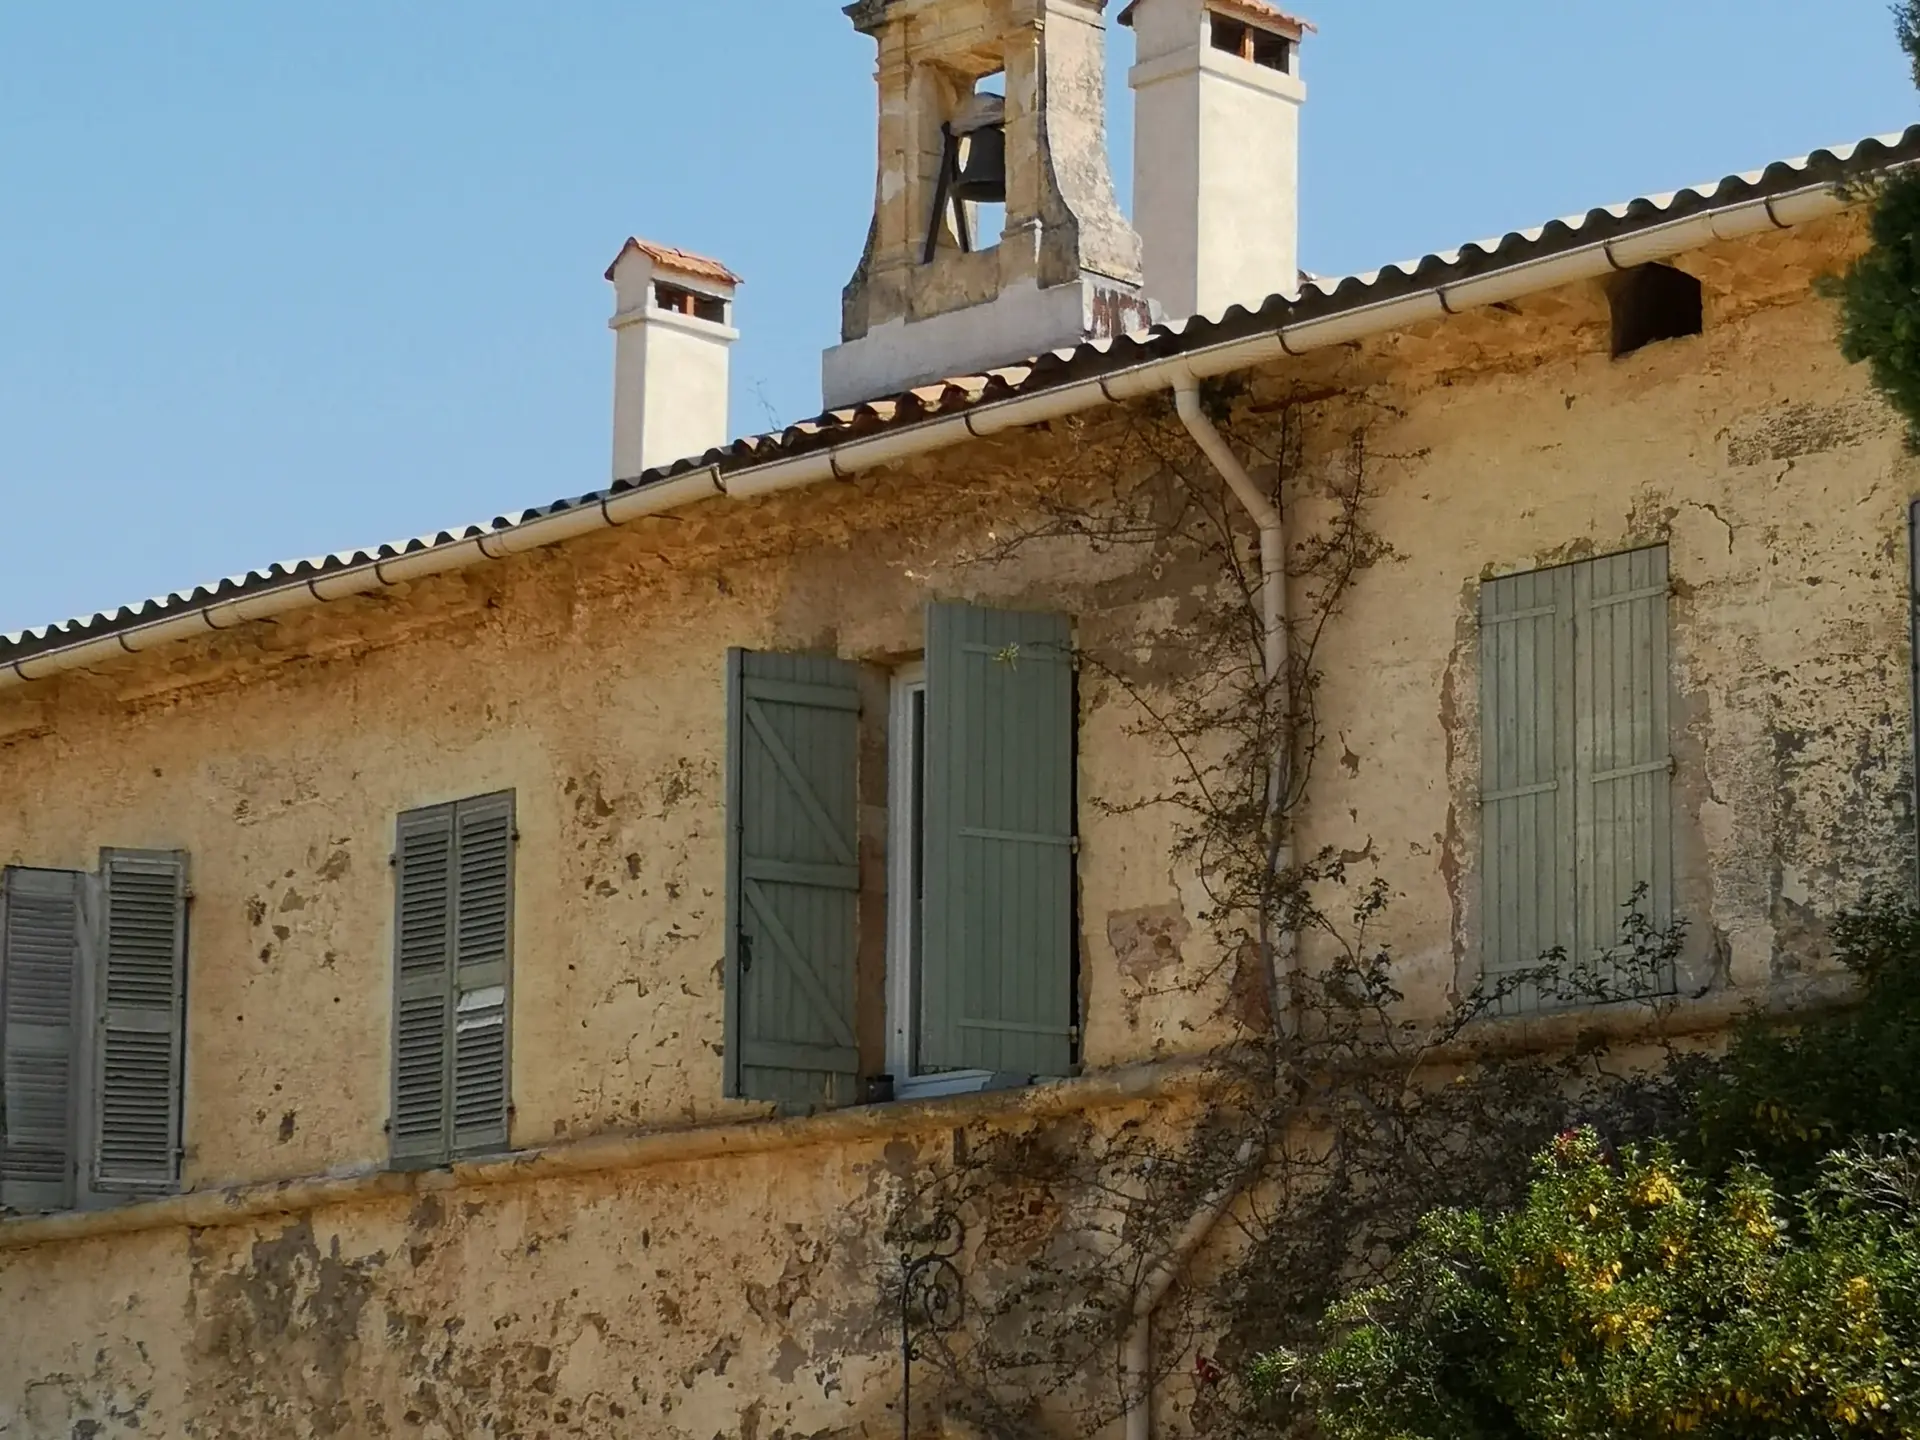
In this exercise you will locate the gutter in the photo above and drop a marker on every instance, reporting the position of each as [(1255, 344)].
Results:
[(852, 457)]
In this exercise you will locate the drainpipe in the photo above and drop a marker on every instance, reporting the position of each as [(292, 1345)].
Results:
[(1279, 952), (1136, 1356)]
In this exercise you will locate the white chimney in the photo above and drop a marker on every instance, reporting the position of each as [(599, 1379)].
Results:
[(673, 328), (1216, 170)]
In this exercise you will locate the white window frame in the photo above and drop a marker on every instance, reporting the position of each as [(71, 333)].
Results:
[(905, 785)]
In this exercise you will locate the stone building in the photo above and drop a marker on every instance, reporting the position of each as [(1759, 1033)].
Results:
[(495, 985)]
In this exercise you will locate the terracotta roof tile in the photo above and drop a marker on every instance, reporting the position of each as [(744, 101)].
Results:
[(1246, 10), (677, 262)]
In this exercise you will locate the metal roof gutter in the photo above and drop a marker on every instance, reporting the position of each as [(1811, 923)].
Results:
[(848, 458)]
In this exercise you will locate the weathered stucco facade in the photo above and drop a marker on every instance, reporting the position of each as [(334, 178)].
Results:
[(674, 1263)]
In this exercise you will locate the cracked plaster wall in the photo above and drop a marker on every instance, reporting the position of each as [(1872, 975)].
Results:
[(737, 1297)]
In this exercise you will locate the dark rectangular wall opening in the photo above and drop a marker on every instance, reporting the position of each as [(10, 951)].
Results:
[(1651, 303)]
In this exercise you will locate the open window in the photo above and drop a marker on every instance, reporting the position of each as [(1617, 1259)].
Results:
[(980, 953)]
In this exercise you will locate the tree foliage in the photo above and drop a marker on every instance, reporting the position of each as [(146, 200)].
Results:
[(1785, 1096), (1630, 1297), (1879, 294), (1757, 1274)]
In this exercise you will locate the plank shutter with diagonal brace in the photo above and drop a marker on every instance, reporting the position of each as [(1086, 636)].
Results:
[(42, 959), (140, 1049), (793, 878), (998, 992)]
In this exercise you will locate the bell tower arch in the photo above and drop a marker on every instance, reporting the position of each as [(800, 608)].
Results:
[(931, 296)]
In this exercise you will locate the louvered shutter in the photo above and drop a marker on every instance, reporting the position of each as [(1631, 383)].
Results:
[(1623, 756), (423, 986), (140, 1049), (997, 981), (1527, 747), (42, 959), (483, 943), (793, 878)]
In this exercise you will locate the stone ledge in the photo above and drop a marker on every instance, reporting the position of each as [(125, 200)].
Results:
[(240, 1204), (1650, 1020)]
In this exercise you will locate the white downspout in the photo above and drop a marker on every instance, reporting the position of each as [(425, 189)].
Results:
[(1281, 953), (1136, 1357)]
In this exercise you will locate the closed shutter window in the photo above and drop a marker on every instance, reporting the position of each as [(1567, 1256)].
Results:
[(453, 944), (997, 980), (1576, 814), (42, 950), (142, 1009), (793, 879)]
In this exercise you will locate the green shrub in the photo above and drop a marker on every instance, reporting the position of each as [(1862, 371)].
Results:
[(1632, 1298), (1787, 1095)]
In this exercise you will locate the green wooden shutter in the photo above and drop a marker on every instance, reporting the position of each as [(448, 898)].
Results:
[(1623, 757), (42, 959), (793, 878), (1527, 776), (483, 948), (140, 1049), (423, 986), (997, 978)]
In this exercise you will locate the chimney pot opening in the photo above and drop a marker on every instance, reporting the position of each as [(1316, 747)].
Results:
[(1252, 44), (678, 300)]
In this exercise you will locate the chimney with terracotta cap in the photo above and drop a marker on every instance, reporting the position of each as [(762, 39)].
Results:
[(673, 328), (1216, 188)]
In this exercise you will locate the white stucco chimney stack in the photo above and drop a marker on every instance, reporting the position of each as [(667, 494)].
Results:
[(1216, 172), (673, 328)]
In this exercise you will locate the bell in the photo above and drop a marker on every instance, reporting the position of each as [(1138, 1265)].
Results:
[(983, 173)]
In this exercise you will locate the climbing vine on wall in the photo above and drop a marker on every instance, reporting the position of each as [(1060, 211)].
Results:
[(1334, 1113)]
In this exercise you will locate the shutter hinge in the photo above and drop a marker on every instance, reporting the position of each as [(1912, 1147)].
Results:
[(1074, 845), (393, 859)]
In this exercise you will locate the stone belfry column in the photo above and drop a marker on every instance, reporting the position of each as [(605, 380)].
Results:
[(1066, 268)]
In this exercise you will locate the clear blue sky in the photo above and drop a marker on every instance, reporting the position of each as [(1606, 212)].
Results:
[(281, 279)]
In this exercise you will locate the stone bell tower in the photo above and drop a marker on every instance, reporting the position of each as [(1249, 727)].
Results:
[(985, 103)]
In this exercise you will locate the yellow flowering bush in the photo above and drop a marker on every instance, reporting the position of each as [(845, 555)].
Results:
[(1629, 1297)]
